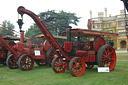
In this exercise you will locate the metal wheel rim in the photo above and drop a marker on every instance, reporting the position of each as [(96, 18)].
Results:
[(58, 65), (25, 62), (77, 66), (109, 58)]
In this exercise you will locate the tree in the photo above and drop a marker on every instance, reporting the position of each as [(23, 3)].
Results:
[(61, 20), (7, 29), (55, 22), (32, 32)]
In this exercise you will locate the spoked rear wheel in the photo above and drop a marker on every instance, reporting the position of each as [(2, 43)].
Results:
[(77, 66), (26, 62), (106, 57), (11, 62), (58, 65)]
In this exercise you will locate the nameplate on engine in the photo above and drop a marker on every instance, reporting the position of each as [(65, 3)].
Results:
[(37, 52)]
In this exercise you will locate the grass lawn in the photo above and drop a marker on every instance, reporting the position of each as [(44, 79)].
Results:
[(45, 76)]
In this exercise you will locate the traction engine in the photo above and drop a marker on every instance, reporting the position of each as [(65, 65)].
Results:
[(77, 56), (23, 56)]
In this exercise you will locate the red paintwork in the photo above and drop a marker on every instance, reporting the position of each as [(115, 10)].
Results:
[(99, 41), (12, 44), (82, 53), (67, 46), (46, 45), (88, 56), (91, 55)]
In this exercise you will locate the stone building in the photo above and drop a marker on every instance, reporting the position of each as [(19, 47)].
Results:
[(113, 24)]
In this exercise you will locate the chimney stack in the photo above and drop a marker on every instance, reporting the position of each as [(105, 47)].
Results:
[(105, 12), (90, 14)]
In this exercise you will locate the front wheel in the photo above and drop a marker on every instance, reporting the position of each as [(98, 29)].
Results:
[(77, 66), (106, 57), (58, 65), (26, 62)]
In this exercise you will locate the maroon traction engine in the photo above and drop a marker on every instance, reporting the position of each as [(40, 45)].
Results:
[(23, 56), (75, 56)]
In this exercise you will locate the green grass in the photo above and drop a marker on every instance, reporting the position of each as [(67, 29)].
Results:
[(45, 76), (122, 56)]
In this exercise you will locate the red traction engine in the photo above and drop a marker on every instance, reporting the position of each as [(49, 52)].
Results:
[(87, 49), (23, 56), (76, 56)]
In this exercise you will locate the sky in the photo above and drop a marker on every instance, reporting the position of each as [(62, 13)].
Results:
[(8, 9)]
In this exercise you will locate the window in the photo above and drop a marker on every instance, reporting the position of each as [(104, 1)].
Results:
[(121, 23), (96, 25), (122, 32), (109, 24)]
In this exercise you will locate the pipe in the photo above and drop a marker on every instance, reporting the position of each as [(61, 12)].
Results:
[(68, 33), (22, 37)]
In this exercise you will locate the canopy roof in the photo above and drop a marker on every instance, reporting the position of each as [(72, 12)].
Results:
[(12, 38), (58, 37), (84, 32)]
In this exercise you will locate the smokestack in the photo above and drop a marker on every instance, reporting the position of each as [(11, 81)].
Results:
[(105, 12), (68, 33), (90, 14)]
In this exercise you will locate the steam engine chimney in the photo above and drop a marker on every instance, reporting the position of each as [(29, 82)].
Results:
[(68, 33)]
